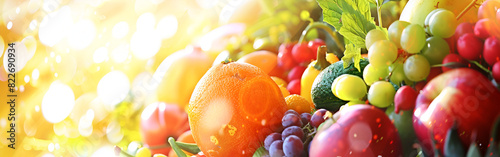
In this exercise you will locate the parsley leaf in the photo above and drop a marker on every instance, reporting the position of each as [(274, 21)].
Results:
[(352, 54)]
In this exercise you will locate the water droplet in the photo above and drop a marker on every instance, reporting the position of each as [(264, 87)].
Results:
[(120, 30), (113, 88), (58, 102), (167, 27), (82, 34)]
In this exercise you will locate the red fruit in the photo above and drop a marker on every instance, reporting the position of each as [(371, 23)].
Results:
[(469, 46), (160, 121), (302, 53), (435, 71), (491, 52), (361, 130), (495, 70), (463, 96), (314, 44), (296, 72), (285, 57), (453, 58), (420, 85), (464, 28), (294, 86), (488, 9), (405, 99), (483, 27)]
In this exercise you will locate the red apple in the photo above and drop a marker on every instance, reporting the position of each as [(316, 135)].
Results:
[(462, 95), (361, 130), (159, 121)]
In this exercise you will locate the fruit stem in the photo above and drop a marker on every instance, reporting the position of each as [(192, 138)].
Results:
[(466, 9), (325, 27), (189, 147), (176, 148), (379, 14), (321, 62), (481, 66)]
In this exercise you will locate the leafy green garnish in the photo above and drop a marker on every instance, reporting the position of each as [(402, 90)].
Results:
[(352, 18)]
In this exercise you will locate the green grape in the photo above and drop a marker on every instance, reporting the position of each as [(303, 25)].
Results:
[(413, 38), (373, 36), (395, 30), (372, 74), (435, 50), (417, 68), (143, 152), (349, 87), (335, 82), (443, 24), (428, 17), (382, 53), (397, 73), (381, 94)]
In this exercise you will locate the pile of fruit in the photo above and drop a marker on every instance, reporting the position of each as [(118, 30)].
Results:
[(425, 85)]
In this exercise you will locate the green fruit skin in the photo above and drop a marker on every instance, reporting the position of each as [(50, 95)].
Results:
[(404, 124), (321, 92)]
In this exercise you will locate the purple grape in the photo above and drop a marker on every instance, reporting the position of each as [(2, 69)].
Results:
[(306, 117), (270, 139), (318, 117), (292, 130), (293, 146), (292, 111), (291, 119), (276, 149)]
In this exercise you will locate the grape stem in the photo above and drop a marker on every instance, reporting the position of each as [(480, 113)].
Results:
[(325, 27), (466, 9), (379, 14), (321, 62), (481, 66)]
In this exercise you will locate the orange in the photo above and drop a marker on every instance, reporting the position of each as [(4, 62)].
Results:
[(265, 60), (331, 58), (282, 85), (299, 103), (233, 108), (284, 91)]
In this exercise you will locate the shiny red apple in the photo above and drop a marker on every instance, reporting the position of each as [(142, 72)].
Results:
[(460, 95)]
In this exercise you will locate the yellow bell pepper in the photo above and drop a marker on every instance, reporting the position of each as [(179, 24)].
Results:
[(179, 73), (311, 72)]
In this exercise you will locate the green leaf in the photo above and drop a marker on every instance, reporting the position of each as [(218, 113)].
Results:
[(352, 54), (260, 152), (332, 13), (356, 18)]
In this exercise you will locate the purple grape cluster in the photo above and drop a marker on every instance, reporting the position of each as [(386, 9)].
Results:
[(290, 142)]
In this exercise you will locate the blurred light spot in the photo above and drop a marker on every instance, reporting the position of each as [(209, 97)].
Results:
[(52, 54), (104, 151), (35, 74), (142, 6), (58, 59), (46, 60), (146, 22), (2, 46), (48, 155), (51, 147), (113, 132), (18, 10), (34, 5), (113, 88), (9, 25), (3, 122), (37, 108), (167, 27), (54, 26), (30, 43), (82, 34), (222, 112), (145, 44), (85, 127), (57, 146), (133, 147), (20, 62), (27, 78), (33, 25), (58, 102), (207, 4), (359, 137), (226, 13), (55, 74), (120, 30), (100, 55), (120, 53), (50, 5), (82, 105), (21, 88), (156, 1)]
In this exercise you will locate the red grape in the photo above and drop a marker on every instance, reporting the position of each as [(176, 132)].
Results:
[(491, 52), (318, 117), (292, 130), (453, 58), (405, 99), (314, 44), (294, 86), (293, 112), (276, 148), (293, 146), (270, 139), (285, 57), (496, 71), (464, 28), (482, 28), (296, 72), (306, 117), (487, 9), (291, 120), (469, 46), (435, 71), (302, 54)]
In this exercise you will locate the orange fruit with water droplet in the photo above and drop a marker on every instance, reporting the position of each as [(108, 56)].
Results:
[(233, 108)]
